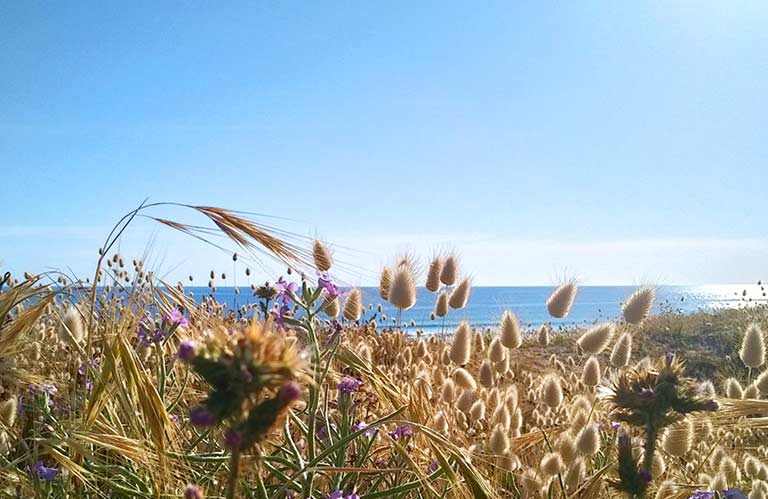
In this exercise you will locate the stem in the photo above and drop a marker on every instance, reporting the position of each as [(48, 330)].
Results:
[(234, 471)]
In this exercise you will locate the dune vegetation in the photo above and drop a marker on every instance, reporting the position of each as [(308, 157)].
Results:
[(121, 385)]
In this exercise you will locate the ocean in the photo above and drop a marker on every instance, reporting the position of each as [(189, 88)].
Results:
[(487, 304)]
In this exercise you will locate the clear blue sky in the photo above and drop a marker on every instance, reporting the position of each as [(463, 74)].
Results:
[(620, 141)]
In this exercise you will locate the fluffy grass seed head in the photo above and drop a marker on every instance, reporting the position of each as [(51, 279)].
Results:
[(433, 274), (588, 439), (72, 325), (552, 391), (678, 438), (509, 330), (594, 340), (486, 375), (353, 305), (733, 389), (496, 351), (638, 305), (385, 281), (590, 376), (460, 294), (449, 271), (498, 442), (463, 379), (752, 351), (461, 346), (441, 306), (560, 301), (551, 464), (402, 291), (321, 256), (622, 351)]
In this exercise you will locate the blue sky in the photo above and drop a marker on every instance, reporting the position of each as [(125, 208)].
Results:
[(619, 141)]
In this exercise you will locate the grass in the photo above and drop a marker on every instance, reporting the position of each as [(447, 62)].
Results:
[(124, 387)]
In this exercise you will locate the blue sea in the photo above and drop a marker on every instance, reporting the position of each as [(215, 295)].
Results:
[(487, 304)]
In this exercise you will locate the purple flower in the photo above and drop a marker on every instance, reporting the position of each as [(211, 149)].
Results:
[(349, 385), (285, 290), (362, 425), (328, 286), (401, 431), (615, 425), (322, 432), (193, 492), (648, 394), (289, 392), (233, 438), (432, 467), (176, 318), (711, 405), (644, 476), (336, 494), (186, 352), (734, 494), (280, 315), (352, 496), (42, 472), (702, 494), (201, 416)]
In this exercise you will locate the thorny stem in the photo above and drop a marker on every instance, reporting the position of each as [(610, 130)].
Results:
[(234, 471)]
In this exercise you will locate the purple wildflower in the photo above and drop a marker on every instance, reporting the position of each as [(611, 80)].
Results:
[(289, 392), (233, 438), (42, 472), (644, 476), (176, 318), (734, 494), (336, 494), (193, 492), (362, 425), (702, 494), (285, 290), (648, 394), (323, 431), (201, 416), (711, 405), (349, 385), (280, 315), (328, 286), (401, 431), (186, 352), (432, 467)]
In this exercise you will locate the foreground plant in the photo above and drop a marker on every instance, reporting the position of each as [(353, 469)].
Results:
[(651, 399), (253, 381)]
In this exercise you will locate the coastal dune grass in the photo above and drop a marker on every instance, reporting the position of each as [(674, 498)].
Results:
[(112, 387)]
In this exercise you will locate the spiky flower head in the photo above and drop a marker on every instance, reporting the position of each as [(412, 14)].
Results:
[(594, 340), (509, 330), (560, 301), (638, 305), (752, 351)]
